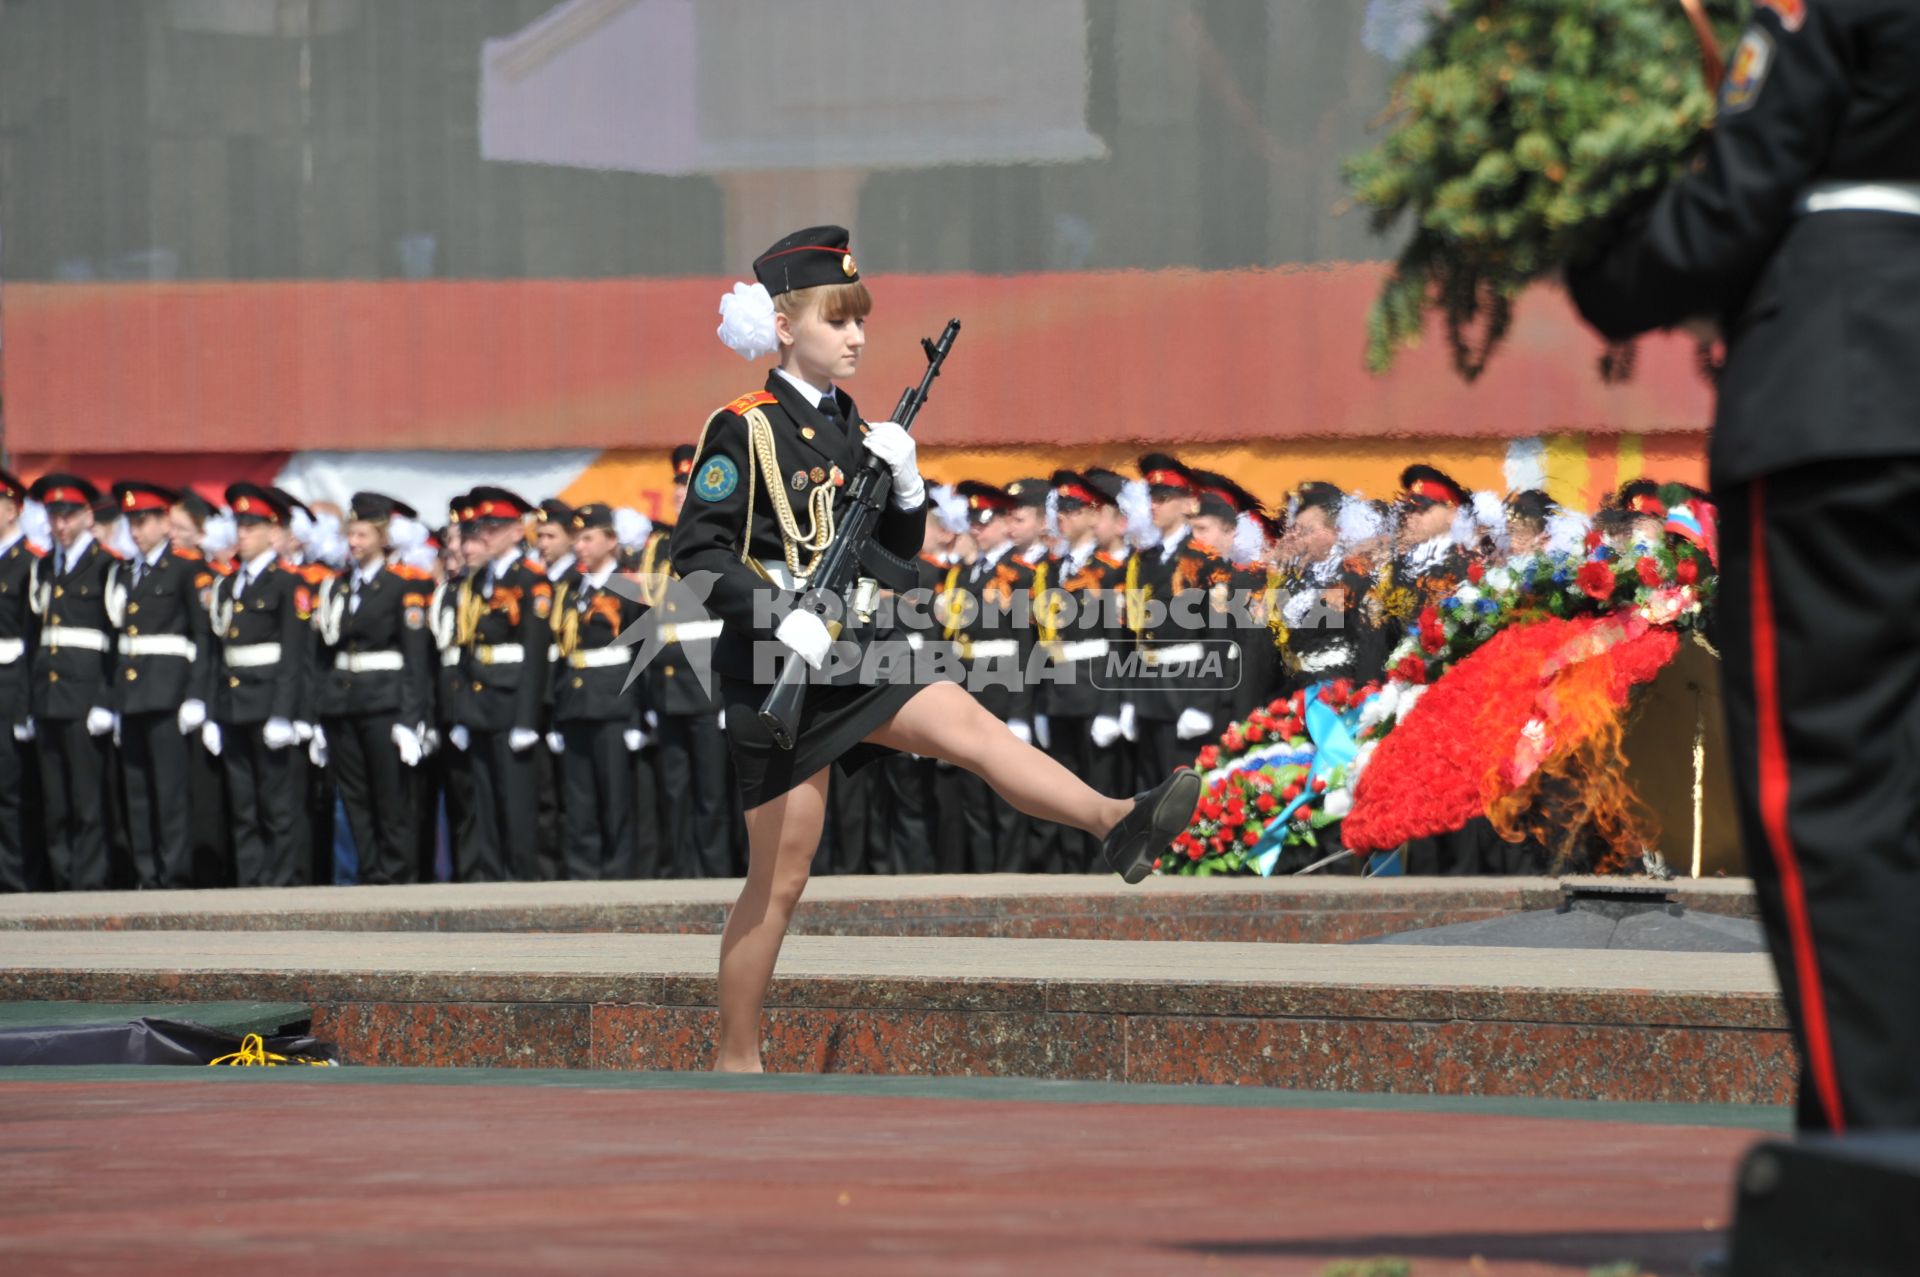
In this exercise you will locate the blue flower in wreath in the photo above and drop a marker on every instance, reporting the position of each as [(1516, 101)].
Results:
[(1486, 607)]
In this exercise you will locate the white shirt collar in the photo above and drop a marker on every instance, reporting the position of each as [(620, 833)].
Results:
[(813, 393), (1172, 541), (1326, 569), (366, 574), (558, 568), (505, 562), (260, 564), (1034, 553), (599, 579), (153, 556), (998, 552), (1431, 551), (1080, 551), (70, 555)]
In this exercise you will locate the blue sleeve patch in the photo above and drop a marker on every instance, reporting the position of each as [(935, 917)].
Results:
[(717, 479)]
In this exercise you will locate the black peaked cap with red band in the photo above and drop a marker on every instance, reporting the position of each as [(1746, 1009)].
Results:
[(683, 463), (1073, 488), (1423, 485), (250, 502), (1161, 470), (60, 491), (498, 505), (1222, 498), (135, 496), (810, 258), (1030, 492), (1642, 496), (984, 500)]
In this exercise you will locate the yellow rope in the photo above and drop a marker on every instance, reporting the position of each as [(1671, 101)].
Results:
[(765, 460), (253, 1053)]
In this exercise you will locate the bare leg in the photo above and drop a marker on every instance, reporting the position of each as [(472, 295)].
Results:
[(942, 721), (782, 836)]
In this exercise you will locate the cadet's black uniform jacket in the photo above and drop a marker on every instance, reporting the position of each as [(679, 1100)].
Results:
[(389, 624), (266, 645), (591, 667), (1082, 636), (809, 451), (1181, 582), (503, 645), (1821, 312), (73, 663), (18, 626), (671, 689), (165, 649)]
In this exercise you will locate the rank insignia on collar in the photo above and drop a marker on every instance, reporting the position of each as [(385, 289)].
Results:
[(799, 480)]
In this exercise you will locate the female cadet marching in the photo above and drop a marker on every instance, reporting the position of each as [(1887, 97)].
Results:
[(768, 473)]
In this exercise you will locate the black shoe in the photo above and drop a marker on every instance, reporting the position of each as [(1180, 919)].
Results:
[(1156, 820)]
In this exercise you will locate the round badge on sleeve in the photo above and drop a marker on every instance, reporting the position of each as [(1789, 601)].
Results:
[(717, 479)]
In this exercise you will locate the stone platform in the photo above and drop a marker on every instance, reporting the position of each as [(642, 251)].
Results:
[(1289, 910), (1604, 1025)]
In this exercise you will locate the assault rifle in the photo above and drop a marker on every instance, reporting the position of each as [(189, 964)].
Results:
[(834, 590)]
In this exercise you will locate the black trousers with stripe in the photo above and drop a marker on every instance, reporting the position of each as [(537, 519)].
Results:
[(1818, 623)]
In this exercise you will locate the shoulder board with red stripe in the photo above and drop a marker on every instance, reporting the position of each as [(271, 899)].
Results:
[(408, 572), (188, 553), (758, 399), (33, 549)]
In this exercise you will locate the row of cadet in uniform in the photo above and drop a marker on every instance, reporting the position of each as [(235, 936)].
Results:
[(456, 704)]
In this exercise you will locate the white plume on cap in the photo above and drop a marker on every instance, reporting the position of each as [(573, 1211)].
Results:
[(324, 538), (219, 537), (1567, 533), (423, 556), (1135, 502), (119, 539), (34, 522), (1490, 513), (949, 507), (1053, 514), (405, 534), (1249, 539), (1358, 522), (631, 528), (746, 321)]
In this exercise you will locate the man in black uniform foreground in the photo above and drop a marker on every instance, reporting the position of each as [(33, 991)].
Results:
[(1799, 235)]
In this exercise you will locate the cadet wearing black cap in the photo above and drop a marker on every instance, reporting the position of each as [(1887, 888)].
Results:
[(1177, 698), (448, 770), (1078, 621), (1326, 629), (376, 688), (1237, 592), (553, 531), (1429, 562), (260, 617), (1798, 232), (72, 697), (761, 457), (597, 717), (691, 771), (19, 772), (503, 640), (162, 683)]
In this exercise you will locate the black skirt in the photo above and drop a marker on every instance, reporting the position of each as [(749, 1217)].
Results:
[(833, 729)]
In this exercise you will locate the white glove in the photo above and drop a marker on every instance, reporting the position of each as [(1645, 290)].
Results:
[(100, 720), (302, 732), (635, 738), (653, 720), (1192, 723), (278, 733), (210, 738), (720, 718), (806, 636), (192, 714), (23, 730), (407, 741), (895, 446), (1021, 731), (429, 741), (317, 748), (459, 736), (1129, 728), (1042, 732), (556, 742), (522, 739), (1105, 730)]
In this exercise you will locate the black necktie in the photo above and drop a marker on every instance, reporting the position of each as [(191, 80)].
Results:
[(830, 409), (59, 563), (139, 571), (353, 594)]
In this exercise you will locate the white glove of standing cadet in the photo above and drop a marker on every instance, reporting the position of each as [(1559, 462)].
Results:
[(278, 733), (895, 446), (407, 741), (1105, 730), (101, 720), (805, 635), (522, 739), (1129, 728), (210, 738), (556, 742), (23, 730), (636, 740), (302, 730), (1042, 732), (1192, 723), (192, 715), (1021, 730), (459, 736), (317, 747)]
